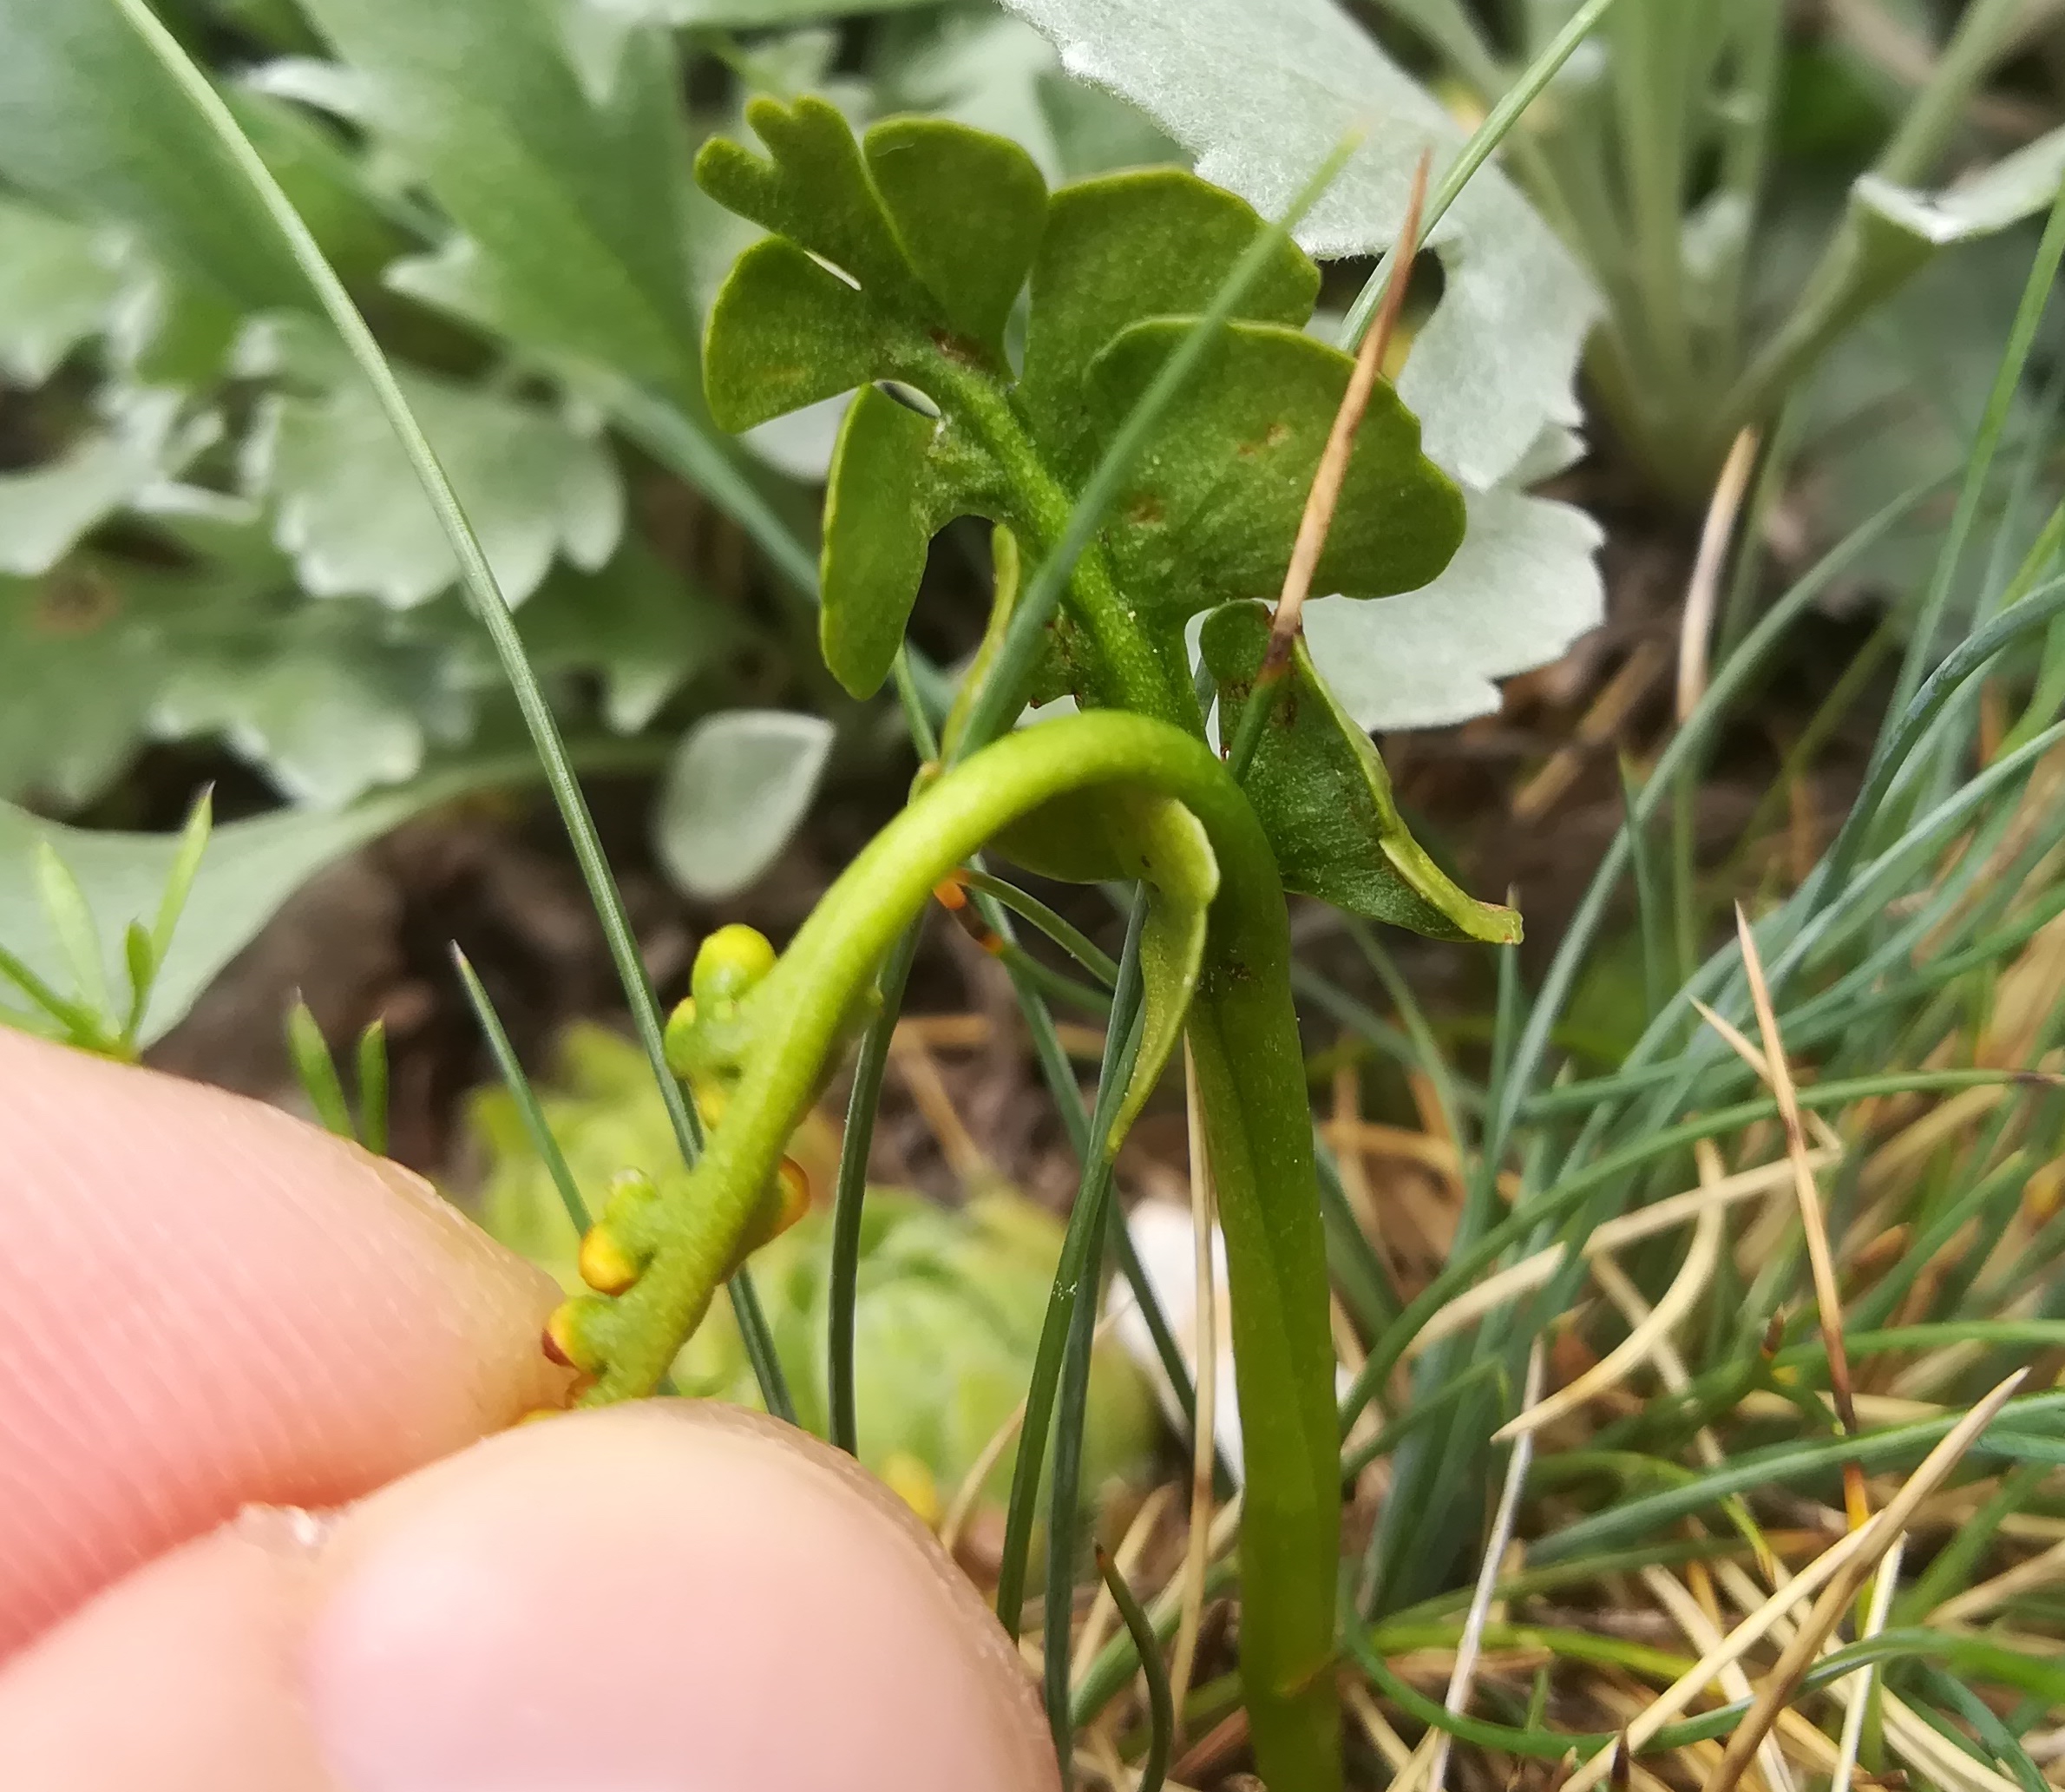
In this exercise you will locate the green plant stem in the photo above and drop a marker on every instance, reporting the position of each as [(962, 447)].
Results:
[(849, 1199), (1843, 283), (1072, 939), (1061, 1373), (1982, 34), (485, 593), (1258, 1130), (1243, 1028)]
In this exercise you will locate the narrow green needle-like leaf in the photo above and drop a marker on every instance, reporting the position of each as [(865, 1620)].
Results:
[(316, 1070), (1072, 939), (179, 880), (1161, 1712), (843, 1274), (521, 1094), (71, 924), (372, 1087)]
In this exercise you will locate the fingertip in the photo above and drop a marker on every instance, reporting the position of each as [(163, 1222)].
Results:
[(214, 1304), (183, 1677), (653, 1597)]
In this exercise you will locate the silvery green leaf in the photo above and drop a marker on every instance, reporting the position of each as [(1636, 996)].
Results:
[(566, 203), (82, 656), (736, 789), (347, 506), (328, 712), (1523, 586), (45, 510), (635, 624), (742, 15), (2015, 187), (1262, 91), (249, 870), (59, 283), (92, 123)]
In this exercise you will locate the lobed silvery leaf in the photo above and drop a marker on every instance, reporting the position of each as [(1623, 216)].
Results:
[(735, 790), (346, 505)]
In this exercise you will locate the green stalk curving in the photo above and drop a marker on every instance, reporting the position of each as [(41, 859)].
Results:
[(1243, 1031)]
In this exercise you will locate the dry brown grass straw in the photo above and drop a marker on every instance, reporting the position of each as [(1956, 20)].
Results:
[(1640, 1344), (1828, 1298), (1327, 482), (1844, 1583), (1503, 1521), (1855, 1550), (1703, 591)]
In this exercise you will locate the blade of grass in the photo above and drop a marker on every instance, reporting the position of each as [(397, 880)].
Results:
[(1503, 1521), (1072, 1310), (1204, 1328), (179, 879), (1650, 915), (1072, 939), (1828, 1299), (1084, 1235), (842, 1274), (76, 1018), (71, 925), (1781, 1465), (485, 594), (1993, 424), (1161, 1709), (1969, 1655), (1731, 678), (1857, 1696), (1482, 145), (521, 1094), (1997, 1737), (372, 1088), (1834, 1576), (1844, 1586), (145, 962), (316, 1071)]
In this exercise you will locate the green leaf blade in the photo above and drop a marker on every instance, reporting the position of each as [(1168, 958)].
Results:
[(1325, 801), (785, 332), (1215, 508), (1156, 242), (812, 187), (968, 208), (878, 525)]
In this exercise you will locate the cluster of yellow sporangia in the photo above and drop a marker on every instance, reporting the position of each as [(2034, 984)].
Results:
[(706, 1037)]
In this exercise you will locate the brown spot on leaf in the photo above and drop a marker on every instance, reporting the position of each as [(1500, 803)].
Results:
[(76, 600)]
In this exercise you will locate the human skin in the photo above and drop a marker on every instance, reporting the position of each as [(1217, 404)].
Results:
[(262, 1524)]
